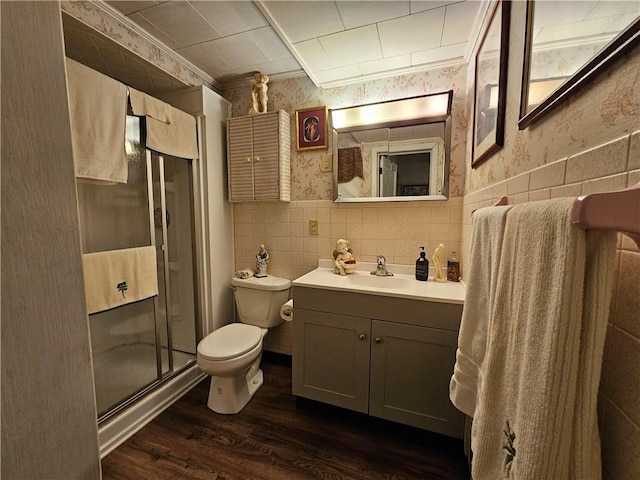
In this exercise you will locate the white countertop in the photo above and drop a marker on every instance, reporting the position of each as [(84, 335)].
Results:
[(402, 284)]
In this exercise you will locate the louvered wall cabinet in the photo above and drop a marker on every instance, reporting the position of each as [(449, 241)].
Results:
[(259, 157)]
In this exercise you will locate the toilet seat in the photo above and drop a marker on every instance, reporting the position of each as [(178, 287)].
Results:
[(230, 341)]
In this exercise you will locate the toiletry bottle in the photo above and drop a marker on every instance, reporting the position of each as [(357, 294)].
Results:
[(422, 266), (453, 268)]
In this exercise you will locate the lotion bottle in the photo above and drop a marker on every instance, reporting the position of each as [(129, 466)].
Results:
[(422, 266)]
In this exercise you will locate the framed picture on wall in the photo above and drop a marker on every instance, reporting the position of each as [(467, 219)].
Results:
[(490, 96), (311, 129)]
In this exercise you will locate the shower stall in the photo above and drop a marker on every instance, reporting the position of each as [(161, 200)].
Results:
[(140, 346)]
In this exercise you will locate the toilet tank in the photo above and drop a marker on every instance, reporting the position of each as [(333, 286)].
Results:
[(258, 300)]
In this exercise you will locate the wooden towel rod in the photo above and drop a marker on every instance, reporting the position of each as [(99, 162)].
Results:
[(618, 210)]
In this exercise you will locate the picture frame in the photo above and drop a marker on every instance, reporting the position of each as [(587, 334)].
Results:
[(490, 82), (311, 129), (413, 190)]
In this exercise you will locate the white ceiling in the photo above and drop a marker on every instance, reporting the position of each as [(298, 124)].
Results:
[(333, 42)]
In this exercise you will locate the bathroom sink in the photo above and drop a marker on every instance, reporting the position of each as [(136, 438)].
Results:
[(401, 285), (374, 281)]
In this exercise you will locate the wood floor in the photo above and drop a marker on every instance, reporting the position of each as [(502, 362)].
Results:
[(279, 437)]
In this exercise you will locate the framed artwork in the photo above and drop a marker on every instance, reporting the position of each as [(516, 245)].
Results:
[(490, 86), (311, 129)]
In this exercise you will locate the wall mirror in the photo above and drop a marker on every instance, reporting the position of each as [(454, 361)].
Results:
[(491, 85), (568, 42), (393, 151)]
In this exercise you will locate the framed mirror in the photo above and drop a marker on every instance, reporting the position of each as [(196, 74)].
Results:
[(491, 85), (401, 156), (566, 43)]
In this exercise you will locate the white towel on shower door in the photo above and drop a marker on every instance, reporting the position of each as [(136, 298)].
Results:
[(98, 113), (118, 277), (536, 413)]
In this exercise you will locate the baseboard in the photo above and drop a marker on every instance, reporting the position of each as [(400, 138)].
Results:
[(116, 431)]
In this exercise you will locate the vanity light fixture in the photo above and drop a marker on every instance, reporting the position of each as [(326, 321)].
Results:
[(426, 106)]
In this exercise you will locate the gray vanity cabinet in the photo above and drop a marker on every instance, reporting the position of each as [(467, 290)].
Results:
[(258, 157), (391, 358), (335, 365)]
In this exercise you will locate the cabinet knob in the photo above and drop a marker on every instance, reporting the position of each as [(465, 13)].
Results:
[(378, 340), (362, 336), (249, 159), (257, 159)]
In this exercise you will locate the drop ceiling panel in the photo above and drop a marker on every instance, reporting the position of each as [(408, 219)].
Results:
[(181, 22), (305, 20), (268, 41), (459, 21), (418, 6), (202, 55), (154, 31), (229, 18), (408, 34), (353, 46), (338, 74), (238, 50), (357, 14), (385, 64)]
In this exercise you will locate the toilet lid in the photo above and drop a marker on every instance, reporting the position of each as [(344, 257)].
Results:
[(230, 341)]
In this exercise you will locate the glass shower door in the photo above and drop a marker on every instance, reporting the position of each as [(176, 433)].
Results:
[(132, 344)]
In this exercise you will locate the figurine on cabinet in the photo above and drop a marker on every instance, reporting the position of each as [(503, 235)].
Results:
[(259, 94)]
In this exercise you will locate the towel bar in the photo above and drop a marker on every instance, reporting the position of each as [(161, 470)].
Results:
[(618, 210)]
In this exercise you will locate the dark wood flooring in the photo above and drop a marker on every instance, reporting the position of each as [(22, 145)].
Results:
[(279, 437)]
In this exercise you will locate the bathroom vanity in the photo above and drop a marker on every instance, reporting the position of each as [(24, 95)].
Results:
[(378, 345)]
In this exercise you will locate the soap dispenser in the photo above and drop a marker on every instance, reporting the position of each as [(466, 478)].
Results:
[(422, 266)]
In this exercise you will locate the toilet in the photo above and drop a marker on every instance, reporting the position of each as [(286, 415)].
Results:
[(232, 354)]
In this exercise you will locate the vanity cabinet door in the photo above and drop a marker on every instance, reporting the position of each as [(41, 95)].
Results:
[(411, 368), (331, 359)]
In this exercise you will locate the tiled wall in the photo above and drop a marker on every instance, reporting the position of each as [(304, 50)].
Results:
[(395, 230), (612, 166)]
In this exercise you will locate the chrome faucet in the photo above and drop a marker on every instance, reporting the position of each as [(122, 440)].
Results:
[(381, 268)]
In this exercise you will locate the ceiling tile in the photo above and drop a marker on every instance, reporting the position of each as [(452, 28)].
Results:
[(207, 60), (270, 43), (440, 54), (385, 64), (353, 46), (305, 20), (337, 74), (229, 18), (418, 6), (459, 21), (279, 66), (154, 31), (238, 50), (313, 55), (409, 34), (180, 21), (357, 14)]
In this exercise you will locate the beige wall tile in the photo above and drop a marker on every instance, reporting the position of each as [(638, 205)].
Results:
[(573, 190), (551, 175), (623, 386), (518, 184), (627, 313), (605, 184), (601, 161), (620, 444)]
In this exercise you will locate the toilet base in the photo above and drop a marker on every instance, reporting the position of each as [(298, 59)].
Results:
[(229, 395)]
